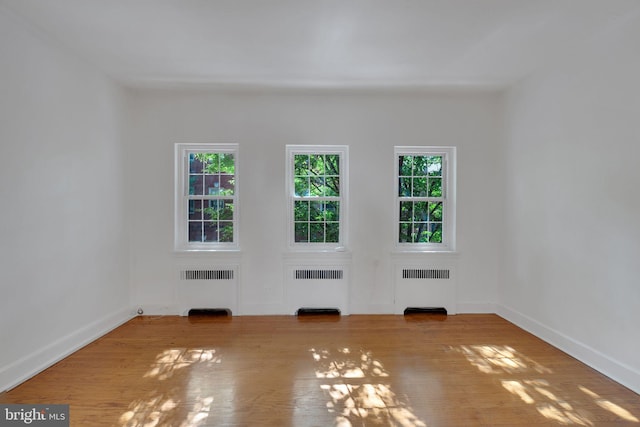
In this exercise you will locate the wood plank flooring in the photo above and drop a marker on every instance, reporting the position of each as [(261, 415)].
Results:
[(464, 370)]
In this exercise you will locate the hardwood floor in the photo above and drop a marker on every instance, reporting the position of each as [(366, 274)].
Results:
[(464, 370)]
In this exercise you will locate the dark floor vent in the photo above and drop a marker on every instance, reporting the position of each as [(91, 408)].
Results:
[(317, 311), (425, 310), (210, 312)]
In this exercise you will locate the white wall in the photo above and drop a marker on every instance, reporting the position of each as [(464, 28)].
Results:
[(263, 123), (63, 246), (573, 240)]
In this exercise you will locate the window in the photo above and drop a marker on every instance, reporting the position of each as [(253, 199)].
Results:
[(425, 198), (316, 190), (206, 197)]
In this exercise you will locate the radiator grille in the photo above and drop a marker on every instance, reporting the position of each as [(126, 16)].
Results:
[(420, 273), (206, 275), (318, 274)]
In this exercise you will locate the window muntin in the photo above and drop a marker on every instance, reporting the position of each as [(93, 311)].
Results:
[(206, 208), (316, 190), (424, 199)]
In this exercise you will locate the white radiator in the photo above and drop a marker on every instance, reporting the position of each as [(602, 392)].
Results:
[(319, 286), (207, 287), (425, 285)]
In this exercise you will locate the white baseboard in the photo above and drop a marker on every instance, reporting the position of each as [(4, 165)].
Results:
[(160, 310), (617, 371), (21, 370)]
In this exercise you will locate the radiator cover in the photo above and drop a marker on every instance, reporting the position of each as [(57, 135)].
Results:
[(421, 282)]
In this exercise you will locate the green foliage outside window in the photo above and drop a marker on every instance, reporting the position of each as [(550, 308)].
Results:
[(317, 188), (421, 211), (211, 216)]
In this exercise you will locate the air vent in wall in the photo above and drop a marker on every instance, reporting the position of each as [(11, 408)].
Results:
[(206, 275), (318, 274), (418, 273)]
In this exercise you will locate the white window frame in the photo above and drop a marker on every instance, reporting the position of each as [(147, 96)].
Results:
[(343, 152), (181, 226), (448, 198)]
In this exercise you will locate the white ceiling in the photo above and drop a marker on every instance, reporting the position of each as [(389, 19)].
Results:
[(321, 43)]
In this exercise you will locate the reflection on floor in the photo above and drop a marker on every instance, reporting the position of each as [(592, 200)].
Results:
[(356, 390), (549, 399)]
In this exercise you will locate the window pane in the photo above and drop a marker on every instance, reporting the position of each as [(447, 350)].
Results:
[(211, 162), (421, 232), (301, 186), (227, 185), (316, 178), (420, 211), (301, 210), (316, 164), (316, 211), (210, 232), (209, 176), (332, 188), (434, 165), (419, 187), (332, 211), (227, 163), (404, 187), (195, 165), (435, 211), (419, 165), (212, 209), (406, 211), (195, 209), (301, 232), (316, 232), (420, 177), (212, 184), (226, 209), (195, 231), (435, 187), (317, 186), (196, 185), (332, 164), (226, 231), (405, 232), (405, 165), (333, 232), (301, 165), (435, 229)]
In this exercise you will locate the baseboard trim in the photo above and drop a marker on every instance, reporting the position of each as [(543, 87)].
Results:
[(617, 371), (21, 370)]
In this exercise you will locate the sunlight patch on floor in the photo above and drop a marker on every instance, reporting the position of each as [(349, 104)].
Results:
[(149, 412), (199, 413), (357, 402), (494, 359), (346, 365), (171, 360), (610, 406), (162, 409), (548, 400)]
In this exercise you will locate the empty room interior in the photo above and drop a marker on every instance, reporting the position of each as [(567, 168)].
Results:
[(280, 212)]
